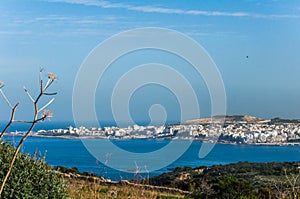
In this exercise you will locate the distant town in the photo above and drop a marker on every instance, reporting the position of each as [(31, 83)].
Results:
[(235, 129)]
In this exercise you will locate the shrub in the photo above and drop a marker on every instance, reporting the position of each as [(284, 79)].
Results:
[(30, 178), (231, 187)]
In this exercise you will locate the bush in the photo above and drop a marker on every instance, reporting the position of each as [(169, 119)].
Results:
[(29, 178), (231, 187)]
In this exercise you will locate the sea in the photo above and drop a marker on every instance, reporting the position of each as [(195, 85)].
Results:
[(71, 152)]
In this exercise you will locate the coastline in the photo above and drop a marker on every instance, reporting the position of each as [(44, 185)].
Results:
[(176, 139)]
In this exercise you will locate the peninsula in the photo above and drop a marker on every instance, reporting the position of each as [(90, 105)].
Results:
[(234, 129)]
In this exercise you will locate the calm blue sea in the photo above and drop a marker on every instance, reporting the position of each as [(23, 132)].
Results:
[(72, 153)]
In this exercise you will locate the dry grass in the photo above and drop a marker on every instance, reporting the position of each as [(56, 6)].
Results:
[(85, 189)]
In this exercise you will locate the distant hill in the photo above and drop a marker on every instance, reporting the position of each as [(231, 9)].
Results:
[(228, 119), (280, 120), (239, 119)]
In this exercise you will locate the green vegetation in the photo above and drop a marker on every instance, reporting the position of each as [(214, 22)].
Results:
[(30, 178), (240, 180)]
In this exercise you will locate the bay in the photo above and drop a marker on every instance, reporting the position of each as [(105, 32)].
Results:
[(72, 153)]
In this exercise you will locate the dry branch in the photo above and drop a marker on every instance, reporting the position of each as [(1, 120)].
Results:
[(36, 118)]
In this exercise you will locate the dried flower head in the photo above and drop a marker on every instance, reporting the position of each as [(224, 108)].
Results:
[(52, 76), (47, 114)]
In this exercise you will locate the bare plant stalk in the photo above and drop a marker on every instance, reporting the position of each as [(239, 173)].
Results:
[(33, 123), (12, 117), (292, 180), (5, 98)]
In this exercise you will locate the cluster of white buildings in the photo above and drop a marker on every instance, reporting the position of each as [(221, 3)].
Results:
[(241, 133), (251, 133)]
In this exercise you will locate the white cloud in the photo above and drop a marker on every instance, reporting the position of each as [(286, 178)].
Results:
[(153, 9), (88, 20), (15, 32), (50, 25)]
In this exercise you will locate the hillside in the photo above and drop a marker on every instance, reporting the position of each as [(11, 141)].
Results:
[(239, 119), (239, 180), (228, 119)]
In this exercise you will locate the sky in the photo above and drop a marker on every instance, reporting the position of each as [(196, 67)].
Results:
[(255, 45)]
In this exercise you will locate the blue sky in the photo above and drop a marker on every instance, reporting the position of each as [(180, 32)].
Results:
[(59, 34)]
